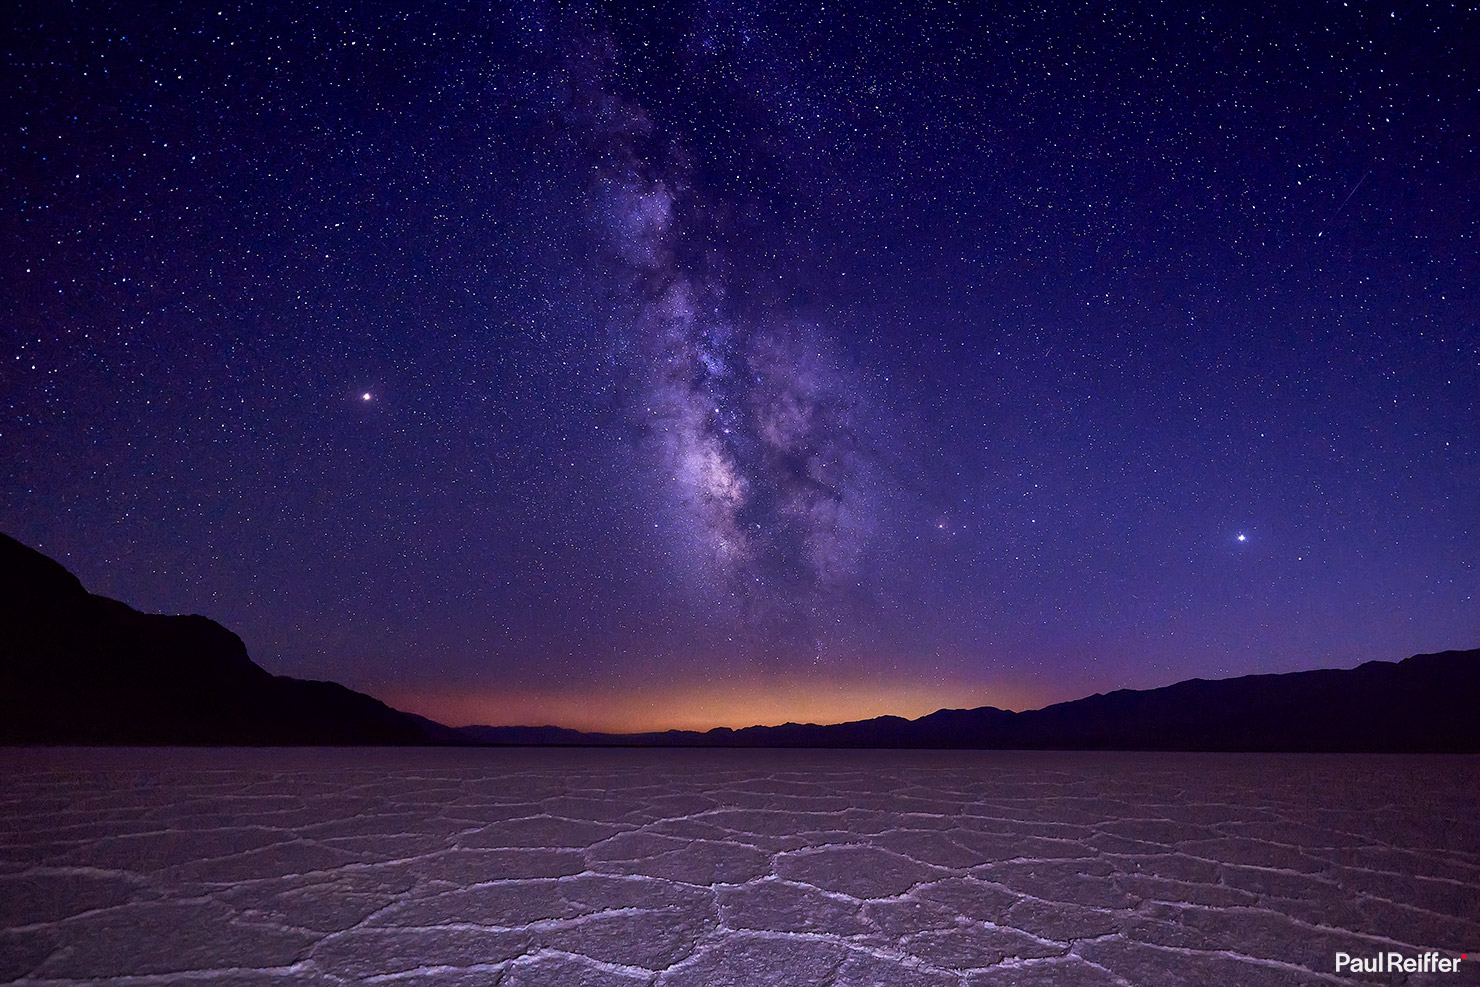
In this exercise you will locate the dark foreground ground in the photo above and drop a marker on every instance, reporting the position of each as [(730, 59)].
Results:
[(730, 867)]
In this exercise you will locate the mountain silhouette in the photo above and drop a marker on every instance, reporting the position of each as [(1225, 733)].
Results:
[(1426, 703), (76, 668)]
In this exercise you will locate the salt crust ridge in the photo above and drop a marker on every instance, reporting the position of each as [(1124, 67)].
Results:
[(517, 868)]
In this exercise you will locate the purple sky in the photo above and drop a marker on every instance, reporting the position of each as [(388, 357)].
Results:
[(726, 364)]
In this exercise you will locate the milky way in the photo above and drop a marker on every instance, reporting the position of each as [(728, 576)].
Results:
[(753, 424)]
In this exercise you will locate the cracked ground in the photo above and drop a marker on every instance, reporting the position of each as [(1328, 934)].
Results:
[(669, 868)]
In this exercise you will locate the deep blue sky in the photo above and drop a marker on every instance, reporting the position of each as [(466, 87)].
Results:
[(731, 363)]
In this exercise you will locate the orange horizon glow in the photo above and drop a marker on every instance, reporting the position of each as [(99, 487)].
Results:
[(697, 707)]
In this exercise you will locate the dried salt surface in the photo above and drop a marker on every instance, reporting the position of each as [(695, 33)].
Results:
[(526, 867)]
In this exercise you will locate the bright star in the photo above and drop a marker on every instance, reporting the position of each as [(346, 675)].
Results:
[(1243, 537), (365, 396)]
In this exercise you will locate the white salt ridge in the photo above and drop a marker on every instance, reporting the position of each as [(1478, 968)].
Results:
[(518, 868)]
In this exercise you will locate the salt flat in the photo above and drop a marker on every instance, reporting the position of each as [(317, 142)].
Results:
[(708, 867)]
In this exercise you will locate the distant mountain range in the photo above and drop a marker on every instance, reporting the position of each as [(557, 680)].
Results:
[(1427, 703), (76, 668)]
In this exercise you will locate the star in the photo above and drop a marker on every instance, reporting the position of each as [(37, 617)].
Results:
[(365, 396), (1242, 536)]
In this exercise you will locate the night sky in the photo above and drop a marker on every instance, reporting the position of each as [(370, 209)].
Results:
[(735, 363)]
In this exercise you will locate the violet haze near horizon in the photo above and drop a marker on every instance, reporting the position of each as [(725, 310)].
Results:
[(723, 364)]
